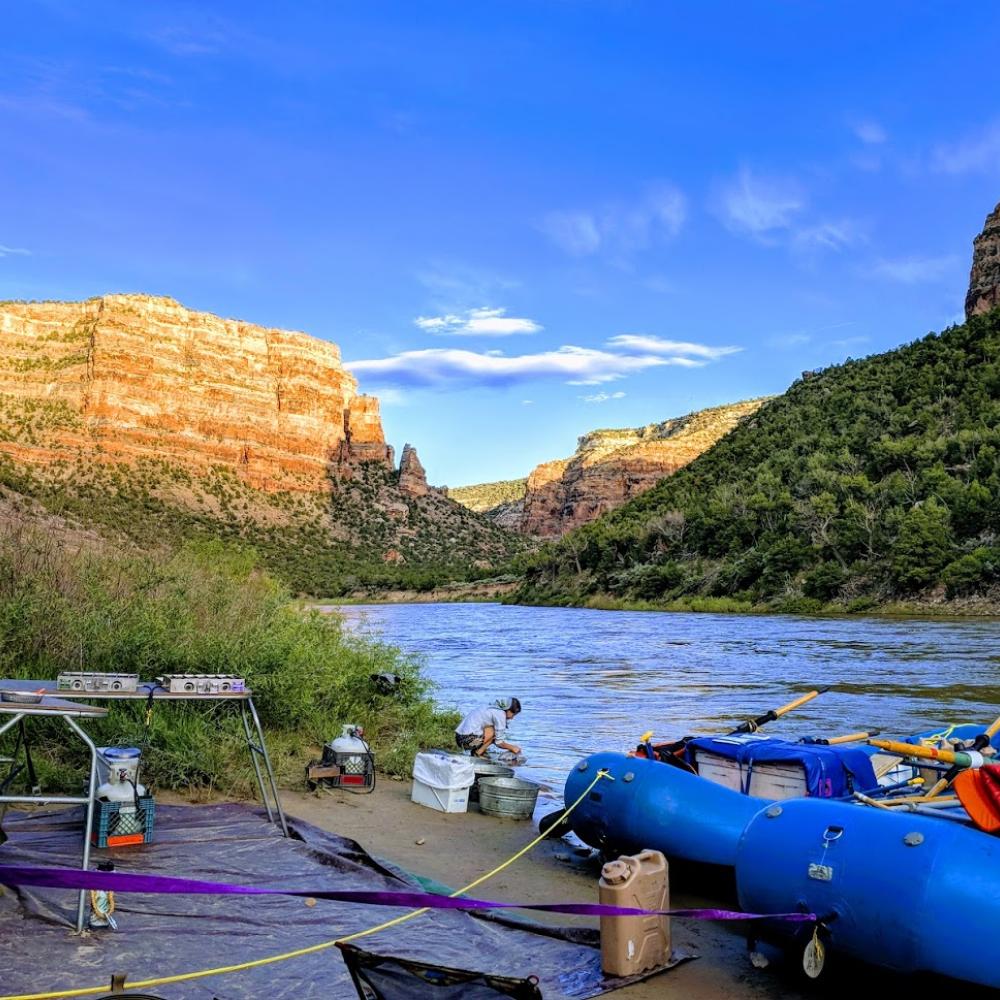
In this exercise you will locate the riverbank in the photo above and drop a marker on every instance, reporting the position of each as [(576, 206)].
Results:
[(480, 592), (965, 607), (505, 591), (455, 849)]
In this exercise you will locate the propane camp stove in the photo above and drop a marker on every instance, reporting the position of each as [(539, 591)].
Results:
[(87, 680), (202, 683)]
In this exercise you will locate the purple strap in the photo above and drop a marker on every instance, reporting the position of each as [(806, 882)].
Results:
[(74, 878)]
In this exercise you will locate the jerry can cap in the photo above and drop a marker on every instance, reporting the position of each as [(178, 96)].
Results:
[(615, 872)]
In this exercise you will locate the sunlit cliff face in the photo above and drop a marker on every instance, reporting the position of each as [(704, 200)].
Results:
[(124, 377)]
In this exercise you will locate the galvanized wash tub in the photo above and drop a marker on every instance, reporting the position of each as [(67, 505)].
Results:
[(484, 769), (487, 769), (510, 798)]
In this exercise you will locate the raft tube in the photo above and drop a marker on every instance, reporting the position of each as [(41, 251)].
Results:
[(659, 807), (905, 891)]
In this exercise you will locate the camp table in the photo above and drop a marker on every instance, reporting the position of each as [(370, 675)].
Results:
[(150, 692), (69, 712)]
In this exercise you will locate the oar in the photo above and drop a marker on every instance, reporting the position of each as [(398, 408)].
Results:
[(982, 740), (848, 738), (752, 725), (959, 758), (670, 750)]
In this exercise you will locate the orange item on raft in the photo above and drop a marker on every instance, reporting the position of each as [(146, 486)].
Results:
[(979, 791)]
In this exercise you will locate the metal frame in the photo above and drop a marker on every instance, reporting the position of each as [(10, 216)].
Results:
[(252, 728), (66, 714), (259, 749)]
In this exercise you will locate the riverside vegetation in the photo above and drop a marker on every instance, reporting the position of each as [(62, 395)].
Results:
[(204, 607), (325, 544), (865, 485)]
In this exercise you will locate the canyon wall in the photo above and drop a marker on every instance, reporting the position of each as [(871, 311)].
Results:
[(612, 466), (984, 281), (123, 377)]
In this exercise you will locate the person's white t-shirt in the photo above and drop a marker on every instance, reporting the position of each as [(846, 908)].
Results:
[(478, 719)]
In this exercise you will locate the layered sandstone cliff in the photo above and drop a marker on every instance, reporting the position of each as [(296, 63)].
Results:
[(129, 377), (984, 281), (612, 466)]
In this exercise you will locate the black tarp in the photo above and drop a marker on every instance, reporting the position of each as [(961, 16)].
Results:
[(161, 935)]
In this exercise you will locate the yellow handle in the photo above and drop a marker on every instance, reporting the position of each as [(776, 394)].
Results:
[(993, 730), (849, 738), (798, 703), (646, 736)]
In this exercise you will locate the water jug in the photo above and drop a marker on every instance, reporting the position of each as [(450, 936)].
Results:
[(630, 945)]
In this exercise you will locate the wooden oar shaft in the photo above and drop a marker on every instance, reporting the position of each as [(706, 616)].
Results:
[(851, 738), (799, 702)]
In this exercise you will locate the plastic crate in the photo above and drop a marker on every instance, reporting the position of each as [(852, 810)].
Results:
[(120, 824)]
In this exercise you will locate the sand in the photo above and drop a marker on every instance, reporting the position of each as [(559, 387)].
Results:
[(457, 848)]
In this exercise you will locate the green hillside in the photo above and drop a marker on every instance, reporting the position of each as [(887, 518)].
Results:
[(486, 496), (365, 534), (870, 482)]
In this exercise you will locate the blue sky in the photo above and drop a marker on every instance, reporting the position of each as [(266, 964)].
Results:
[(520, 220)]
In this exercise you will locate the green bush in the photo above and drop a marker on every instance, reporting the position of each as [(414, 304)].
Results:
[(203, 608), (973, 572)]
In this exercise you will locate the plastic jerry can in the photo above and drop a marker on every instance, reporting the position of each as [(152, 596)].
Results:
[(630, 945)]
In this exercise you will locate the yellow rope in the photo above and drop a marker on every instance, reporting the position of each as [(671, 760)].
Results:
[(312, 949), (927, 741)]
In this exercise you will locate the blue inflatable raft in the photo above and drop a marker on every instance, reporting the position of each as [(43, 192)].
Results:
[(906, 890)]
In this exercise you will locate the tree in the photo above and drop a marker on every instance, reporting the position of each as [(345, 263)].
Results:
[(923, 547)]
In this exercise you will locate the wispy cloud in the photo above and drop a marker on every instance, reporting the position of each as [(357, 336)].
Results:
[(455, 286), (757, 206), (772, 212), (446, 367), (13, 251), (870, 133), (575, 232), (914, 270), (658, 345), (619, 228), (624, 355), (602, 397), (786, 341), (206, 35), (850, 342), (481, 322), (976, 153), (826, 236)]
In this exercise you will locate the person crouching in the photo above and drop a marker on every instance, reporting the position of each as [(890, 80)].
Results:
[(486, 727)]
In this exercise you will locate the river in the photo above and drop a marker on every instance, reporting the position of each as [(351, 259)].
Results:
[(596, 680)]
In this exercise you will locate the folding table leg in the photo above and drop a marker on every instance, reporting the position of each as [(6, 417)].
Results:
[(89, 824), (260, 747)]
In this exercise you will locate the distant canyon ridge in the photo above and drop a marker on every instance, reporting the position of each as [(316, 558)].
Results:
[(609, 468)]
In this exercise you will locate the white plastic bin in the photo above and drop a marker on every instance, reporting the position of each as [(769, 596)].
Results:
[(442, 781)]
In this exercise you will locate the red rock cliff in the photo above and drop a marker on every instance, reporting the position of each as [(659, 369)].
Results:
[(123, 377), (612, 466), (984, 282)]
